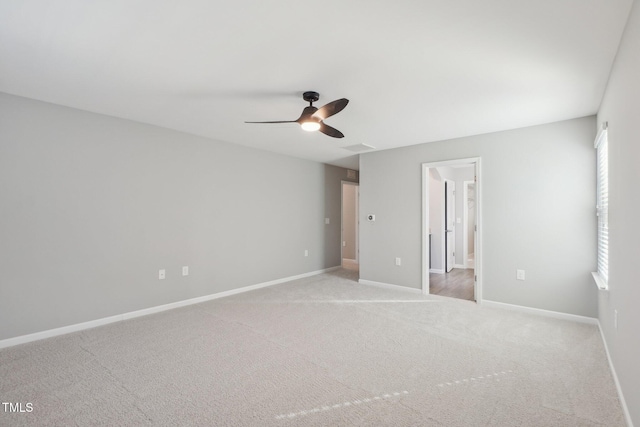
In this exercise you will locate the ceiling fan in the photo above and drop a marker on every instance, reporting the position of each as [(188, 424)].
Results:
[(312, 118)]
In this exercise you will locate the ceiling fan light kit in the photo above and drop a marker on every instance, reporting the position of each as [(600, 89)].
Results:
[(310, 126), (312, 118)]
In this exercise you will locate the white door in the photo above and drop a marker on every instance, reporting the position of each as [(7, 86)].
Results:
[(450, 223)]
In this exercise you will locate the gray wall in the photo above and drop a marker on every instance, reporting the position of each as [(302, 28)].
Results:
[(537, 208), (93, 206), (621, 108), (349, 221)]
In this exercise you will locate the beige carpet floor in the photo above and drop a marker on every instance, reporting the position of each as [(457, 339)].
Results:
[(320, 351)]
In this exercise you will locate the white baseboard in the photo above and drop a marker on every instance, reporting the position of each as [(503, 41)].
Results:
[(436, 271), (389, 286), (541, 312), (625, 408), (9, 342), (459, 266)]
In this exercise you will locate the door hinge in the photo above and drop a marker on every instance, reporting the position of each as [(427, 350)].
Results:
[(475, 278), (475, 228), (453, 254)]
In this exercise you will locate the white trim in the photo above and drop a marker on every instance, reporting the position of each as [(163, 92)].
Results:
[(389, 286), (436, 271), (357, 225), (625, 408), (426, 231), (452, 162), (602, 207), (9, 342), (477, 242), (463, 266), (541, 312), (443, 223), (601, 135), (600, 282)]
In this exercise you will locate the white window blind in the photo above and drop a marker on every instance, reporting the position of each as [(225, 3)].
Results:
[(602, 207)]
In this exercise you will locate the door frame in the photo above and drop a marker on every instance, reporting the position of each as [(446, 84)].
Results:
[(465, 223), (356, 215), (476, 162)]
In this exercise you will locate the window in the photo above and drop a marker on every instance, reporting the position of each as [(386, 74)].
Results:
[(602, 208)]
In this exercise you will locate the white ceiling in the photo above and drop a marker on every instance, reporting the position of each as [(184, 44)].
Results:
[(414, 71)]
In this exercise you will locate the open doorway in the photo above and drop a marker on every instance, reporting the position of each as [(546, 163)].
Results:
[(451, 229), (349, 226)]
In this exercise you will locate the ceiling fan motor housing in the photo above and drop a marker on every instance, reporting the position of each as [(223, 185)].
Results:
[(311, 96)]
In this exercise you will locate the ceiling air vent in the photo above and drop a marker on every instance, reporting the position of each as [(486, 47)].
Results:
[(359, 148)]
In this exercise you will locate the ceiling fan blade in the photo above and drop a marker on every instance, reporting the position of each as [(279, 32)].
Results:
[(286, 121), (306, 114), (328, 130), (331, 108)]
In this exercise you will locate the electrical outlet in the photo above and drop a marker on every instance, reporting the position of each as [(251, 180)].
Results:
[(520, 274), (306, 252), (398, 262), (327, 221), (344, 243), (162, 274), (185, 270)]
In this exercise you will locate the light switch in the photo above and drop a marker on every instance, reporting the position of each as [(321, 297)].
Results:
[(520, 274)]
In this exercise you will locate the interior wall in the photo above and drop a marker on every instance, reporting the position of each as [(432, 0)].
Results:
[(349, 221), (93, 206), (621, 109), (537, 198)]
